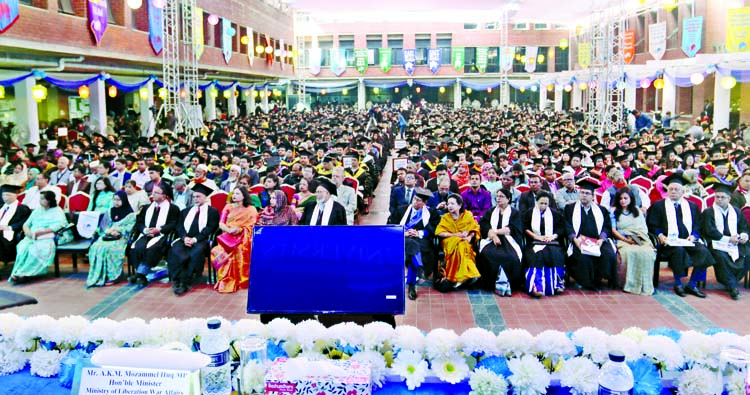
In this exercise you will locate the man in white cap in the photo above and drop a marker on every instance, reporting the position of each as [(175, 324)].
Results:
[(327, 211)]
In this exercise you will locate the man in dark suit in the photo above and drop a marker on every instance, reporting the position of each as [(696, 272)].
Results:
[(78, 182), (327, 211), (550, 183), (419, 223), (677, 218), (441, 171), (189, 251), (13, 214), (527, 199), (401, 196), (120, 176), (153, 226)]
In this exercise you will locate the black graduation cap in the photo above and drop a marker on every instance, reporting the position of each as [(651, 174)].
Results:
[(202, 189), (482, 155), (328, 158), (588, 183), (29, 145), (10, 188), (273, 161), (721, 187), (622, 157), (327, 184), (675, 177), (720, 162)]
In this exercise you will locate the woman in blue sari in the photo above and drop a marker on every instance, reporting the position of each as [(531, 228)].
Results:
[(107, 254)]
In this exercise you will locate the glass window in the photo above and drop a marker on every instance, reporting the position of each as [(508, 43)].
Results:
[(561, 59), (423, 47), (491, 25), (64, 6), (470, 56), (541, 26), (470, 26), (520, 26)]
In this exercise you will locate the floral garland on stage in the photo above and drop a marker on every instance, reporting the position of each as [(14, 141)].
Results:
[(511, 361)]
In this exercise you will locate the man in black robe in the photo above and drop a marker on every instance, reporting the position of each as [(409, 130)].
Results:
[(13, 214), (189, 252), (326, 211)]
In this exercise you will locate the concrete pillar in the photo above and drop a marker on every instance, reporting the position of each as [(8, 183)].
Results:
[(98, 106), (576, 99), (264, 100), (232, 102), (505, 95), (630, 93), (148, 124), (361, 95), (251, 101), (209, 113), (558, 98), (542, 98), (721, 105), (27, 112), (457, 95), (669, 97)]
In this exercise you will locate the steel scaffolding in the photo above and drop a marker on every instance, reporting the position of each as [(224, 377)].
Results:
[(504, 87), (300, 66)]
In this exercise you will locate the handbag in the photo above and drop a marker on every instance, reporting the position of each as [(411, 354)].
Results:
[(229, 242), (111, 237)]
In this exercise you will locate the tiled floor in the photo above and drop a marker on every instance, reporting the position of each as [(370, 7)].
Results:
[(608, 310)]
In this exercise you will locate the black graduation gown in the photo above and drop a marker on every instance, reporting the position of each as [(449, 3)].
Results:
[(184, 261), (493, 256), (425, 244), (151, 256), (587, 270), (338, 215), (8, 247), (728, 272), (551, 255)]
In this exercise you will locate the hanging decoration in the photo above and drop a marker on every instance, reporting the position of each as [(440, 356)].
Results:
[(83, 91), (250, 46), (135, 4), (563, 44), (434, 59), (696, 78), (2, 92), (213, 19), (9, 9), (657, 39), (198, 45), (506, 58), (39, 92), (269, 50), (410, 60), (143, 93), (738, 30), (282, 54), (155, 33), (728, 82), (584, 55), (531, 53), (481, 59), (162, 93), (226, 39), (628, 46), (692, 35), (112, 91), (659, 83), (360, 60), (314, 60), (97, 11), (457, 58), (338, 61), (385, 59)]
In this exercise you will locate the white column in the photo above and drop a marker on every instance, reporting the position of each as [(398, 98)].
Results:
[(558, 97), (209, 113), (542, 98), (361, 94), (248, 105), (505, 95), (669, 97), (576, 97), (457, 95), (148, 124), (27, 111), (721, 105), (251, 101), (98, 106), (630, 91), (264, 100), (232, 102)]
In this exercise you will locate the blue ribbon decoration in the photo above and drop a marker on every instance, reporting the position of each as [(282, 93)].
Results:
[(673, 334), (646, 380), (68, 367), (274, 351)]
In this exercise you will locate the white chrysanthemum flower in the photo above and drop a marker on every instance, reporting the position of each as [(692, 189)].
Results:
[(529, 376), (9, 325), (99, 331), (734, 382), (476, 340), (309, 332), (346, 334), (46, 363), (193, 328), (554, 344), (132, 331), (246, 327), (483, 382), (634, 333), (376, 361), (69, 331), (281, 329), (663, 350), (409, 338), (699, 381), (699, 348), (12, 359), (626, 345), (514, 342), (581, 375), (34, 328), (724, 340), (253, 378), (376, 334), (441, 343), (410, 366), (166, 330), (594, 343), (451, 370)]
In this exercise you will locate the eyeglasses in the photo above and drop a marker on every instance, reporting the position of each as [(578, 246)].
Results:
[(568, 179)]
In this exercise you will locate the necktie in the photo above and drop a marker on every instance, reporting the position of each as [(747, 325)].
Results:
[(680, 225), (154, 217), (408, 196), (726, 225), (541, 224), (7, 207), (194, 230), (320, 215)]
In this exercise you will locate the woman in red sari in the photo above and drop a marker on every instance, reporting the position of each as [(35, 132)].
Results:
[(231, 255), (459, 231)]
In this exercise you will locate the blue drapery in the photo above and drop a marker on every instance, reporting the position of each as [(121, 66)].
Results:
[(72, 85), (434, 83), (384, 84), (127, 88), (15, 80), (479, 86), (741, 75)]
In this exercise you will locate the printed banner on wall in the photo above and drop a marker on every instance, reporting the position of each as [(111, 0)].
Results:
[(314, 60), (738, 29), (584, 55), (338, 61), (628, 46), (481, 60), (385, 59), (507, 55), (434, 59), (226, 39), (692, 35), (360, 60), (531, 53), (155, 33), (410, 60), (282, 53), (250, 46), (198, 45), (98, 18), (457, 58), (8, 14), (657, 39)]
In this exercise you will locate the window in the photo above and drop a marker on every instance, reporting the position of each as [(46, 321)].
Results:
[(470, 56), (374, 42), (541, 26), (493, 60), (139, 19), (558, 26), (543, 66), (491, 25), (520, 26), (673, 28), (640, 34), (653, 17), (64, 6), (470, 26), (561, 59), (444, 43), (422, 42), (325, 44), (34, 3), (347, 44), (396, 44)]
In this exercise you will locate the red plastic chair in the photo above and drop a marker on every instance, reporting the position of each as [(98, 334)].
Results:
[(257, 188), (78, 202), (695, 199), (63, 201), (433, 174), (642, 182), (289, 191), (218, 200), (654, 195), (353, 181), (710, 200), (523, 188), (63, 188)]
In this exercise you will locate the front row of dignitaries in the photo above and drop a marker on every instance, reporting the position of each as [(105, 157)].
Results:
[(13, 215)]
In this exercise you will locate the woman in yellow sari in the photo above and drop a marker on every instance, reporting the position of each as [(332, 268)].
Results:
[(231, 255), (458, 230)]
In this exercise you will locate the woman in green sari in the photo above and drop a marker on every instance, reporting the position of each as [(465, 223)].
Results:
[(101, 202), (107, 254), (303, 198), (36, 251)]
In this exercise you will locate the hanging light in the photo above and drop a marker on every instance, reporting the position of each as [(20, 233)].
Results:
[(83, 91), (323, 92), (255, 93), (583, 86), (419, 90), (213, 19), (518, 57), (441, 89), (2, 92), (523, 59), (135, 4), (183, 93), (213, 92), (39, 92), (112, 91), (163, 93), (669, 5), (244, 40), (143, 93), (563, 44), (534, 88), (659, 83), (159, 3), (199, 93), (345, 92), (489, 90), (376, 90), (540, 59), (395, 89), (259, 49), (522, 89), (550, 88), (696, 78), (568, 87), (246, 92), (468, 91), (728, 82), (227, 93), (277, 92), (269, 50), (645, 83)]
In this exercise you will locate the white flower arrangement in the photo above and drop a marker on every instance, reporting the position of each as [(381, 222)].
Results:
[(9, 324), (514, 342), (626, 345), (132, 332), (194, 328), (581, 375), (347, 334), (102, 331), (634, 333), (663, 350), (245, 327), (699, 381), (451, 369), (33, 329), (554, 345), (253, 378), (376, 361), (409, 338), (441, 343), (46, 363), (479, 340), (734, 382), (529, 376), (594, 343), (12, 358), (376, 335), (165, 330), (69, 330), (309, 333), (698, 348), (411, 367), (484, 382), (280, 329)]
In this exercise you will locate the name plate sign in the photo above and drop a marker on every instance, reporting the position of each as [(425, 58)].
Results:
[(130, 381)]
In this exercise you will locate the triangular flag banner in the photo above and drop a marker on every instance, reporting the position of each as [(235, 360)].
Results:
[(360, 60), (584, 55), (385, 59), (269, 56), (9, 14), (410, 60), (198, 45), (281, 53), (97, 18), (481, 60), (250, 46), (155, 32), (434, 59), (338, 61), (457, 58), (226, 39), (506, 58), (657, 39), (628, 46), (314, 60), (692, 35), (738, 30), (531, 53)]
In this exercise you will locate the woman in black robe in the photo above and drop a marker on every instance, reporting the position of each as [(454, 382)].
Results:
[(500, 248), (544, 257)]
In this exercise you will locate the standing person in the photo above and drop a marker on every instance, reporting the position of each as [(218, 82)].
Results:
[(726, 232), (326, 211), (231, 255), (188, 253), (500, 256), (631, 232), (13, 215), (278, 212), (643, 123), (544, 255), (458, 230), (107, 254)]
